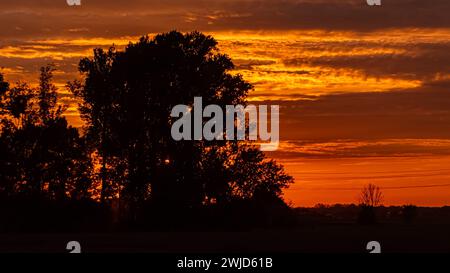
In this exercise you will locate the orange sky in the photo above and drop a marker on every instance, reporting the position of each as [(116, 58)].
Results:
[(364, 91), (405, 180)]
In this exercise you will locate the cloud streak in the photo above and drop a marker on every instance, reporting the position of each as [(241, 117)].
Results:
[(113, 18)]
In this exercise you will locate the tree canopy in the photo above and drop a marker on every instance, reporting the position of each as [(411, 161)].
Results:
[(125, 152), (41, 157), (127, 97)]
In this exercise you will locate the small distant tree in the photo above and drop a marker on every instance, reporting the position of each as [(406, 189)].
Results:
[(371, 196)]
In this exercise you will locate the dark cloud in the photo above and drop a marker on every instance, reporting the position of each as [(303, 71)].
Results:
[(420, 61), (416, 114), (30, 18), (250, 64), (28, 69), (367, 148)]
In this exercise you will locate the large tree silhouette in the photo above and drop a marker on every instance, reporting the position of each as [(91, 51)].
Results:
[(127, 97)]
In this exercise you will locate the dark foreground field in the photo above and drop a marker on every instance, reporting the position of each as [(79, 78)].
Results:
[(325, 238)]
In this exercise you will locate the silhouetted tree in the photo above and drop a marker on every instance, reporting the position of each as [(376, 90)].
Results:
[(4, 87), (127, 97), (370, 198), (8, 172), (47, 97), (99, 111), (42, 158), (371, 195)]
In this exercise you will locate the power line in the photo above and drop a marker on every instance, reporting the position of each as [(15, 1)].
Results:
[(417, 186), (385, 188)]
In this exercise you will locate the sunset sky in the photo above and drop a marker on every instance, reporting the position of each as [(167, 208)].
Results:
[(364, 91)]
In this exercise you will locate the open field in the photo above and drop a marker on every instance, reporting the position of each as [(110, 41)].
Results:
[(324, 238)]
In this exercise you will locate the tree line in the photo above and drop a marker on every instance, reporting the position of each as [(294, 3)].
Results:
[(125, 154)]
